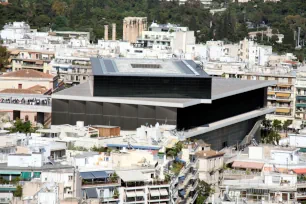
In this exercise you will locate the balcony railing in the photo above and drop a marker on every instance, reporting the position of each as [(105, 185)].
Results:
[(99, 183)]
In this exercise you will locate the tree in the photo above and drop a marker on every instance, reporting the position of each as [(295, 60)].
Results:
[(286, 125), (22, 127), (274, 39), (267, 123), (277, 125), (4, 56), (273, 137), (204, 190), (18, 192), (42, 20)]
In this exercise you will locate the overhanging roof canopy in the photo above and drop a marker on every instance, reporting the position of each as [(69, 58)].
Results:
[(130, 194), (287, 95), (163, 192), (282, 110), (131, 176), (94, 175), (154, 193)]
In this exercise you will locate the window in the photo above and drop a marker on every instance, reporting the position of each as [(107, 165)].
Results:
[(26, 118), (147, 66), (70, 178), (19, 86)]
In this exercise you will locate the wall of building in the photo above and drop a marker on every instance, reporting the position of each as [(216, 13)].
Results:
[(228, 136), (13, 83), (128, 117), (202, 114), (154, 87)]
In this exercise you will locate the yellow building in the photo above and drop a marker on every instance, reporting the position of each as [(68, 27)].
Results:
[(31, 59)]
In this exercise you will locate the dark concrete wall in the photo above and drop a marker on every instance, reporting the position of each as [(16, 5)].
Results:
[(154, 87), (128, 117), (220, 109), (229, 135)]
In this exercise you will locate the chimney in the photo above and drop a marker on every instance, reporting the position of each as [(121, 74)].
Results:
[(105, 32), (114, 31)]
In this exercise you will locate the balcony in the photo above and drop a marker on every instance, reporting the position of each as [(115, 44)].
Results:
[(32, 66), (96, 183), (271, 97)]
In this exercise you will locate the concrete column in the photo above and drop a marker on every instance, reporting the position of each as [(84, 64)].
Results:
[(114, 33), (16, 114), (105, 32), (40, 118)]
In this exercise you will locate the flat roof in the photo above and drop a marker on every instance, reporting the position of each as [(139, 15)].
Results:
[(221, 88), (131, 176), (146, 67)]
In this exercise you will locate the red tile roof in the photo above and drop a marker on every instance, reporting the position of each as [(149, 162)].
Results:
[(37, 89), (247, 165), (299, 171), (27, 73)]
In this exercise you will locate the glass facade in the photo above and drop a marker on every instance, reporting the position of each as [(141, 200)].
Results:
[(152, 87)]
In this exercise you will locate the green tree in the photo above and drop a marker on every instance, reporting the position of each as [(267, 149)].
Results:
[(204, 190), (18, 192), (277, 125), (4, 56), (286, 125), (22, 127)]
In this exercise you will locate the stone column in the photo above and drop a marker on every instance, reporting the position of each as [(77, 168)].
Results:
[(105, 32), (114, 33)]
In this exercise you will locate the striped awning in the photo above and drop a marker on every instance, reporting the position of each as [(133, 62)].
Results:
[(287, 95), (284, 85), (282, 110)]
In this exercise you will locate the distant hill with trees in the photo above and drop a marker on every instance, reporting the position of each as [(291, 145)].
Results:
[(231, 25)]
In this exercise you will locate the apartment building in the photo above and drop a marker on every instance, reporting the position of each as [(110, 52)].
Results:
[(254, 54), (300, 95), (71, 69), (210, 166), (31, 59), (281, 95), (166, 37)]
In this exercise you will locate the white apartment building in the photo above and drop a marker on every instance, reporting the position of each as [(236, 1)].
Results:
[(167, 37), (253, 53)]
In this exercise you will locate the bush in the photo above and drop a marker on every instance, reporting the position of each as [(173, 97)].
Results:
[(94, 135)]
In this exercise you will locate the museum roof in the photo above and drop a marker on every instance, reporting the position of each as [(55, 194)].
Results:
[(146, 67)]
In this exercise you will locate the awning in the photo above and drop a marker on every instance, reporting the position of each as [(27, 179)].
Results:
[(26, 175), (154, 193), (284, 85), (300, 171), (282, 110), (271, 93), (99, 174), (287, 95), (247, 165), (130, 194), (10, 172), (131, 176), (182, 193), (39, 62), (163, 192), (91, 192), (87, 175), (140, 193), (15, 52)]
